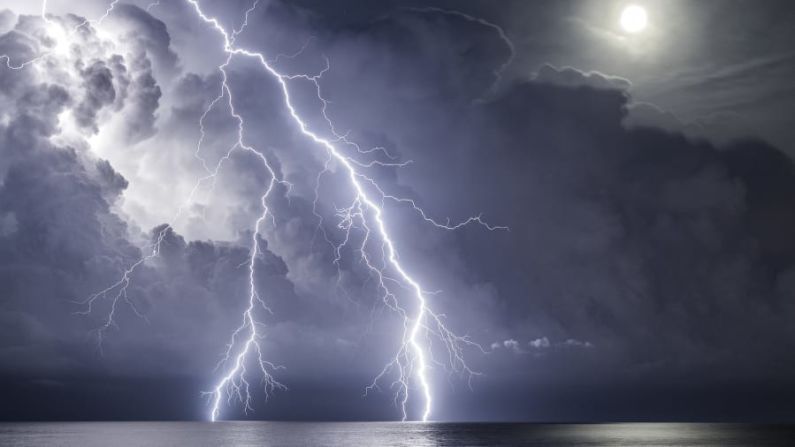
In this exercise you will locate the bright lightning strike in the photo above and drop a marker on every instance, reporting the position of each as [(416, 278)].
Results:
[(234, 384), (413, 358)]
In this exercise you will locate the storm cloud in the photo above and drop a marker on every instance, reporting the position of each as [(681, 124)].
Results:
[(642, 254)]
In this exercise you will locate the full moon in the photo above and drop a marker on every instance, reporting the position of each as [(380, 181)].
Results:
[(634, 19)]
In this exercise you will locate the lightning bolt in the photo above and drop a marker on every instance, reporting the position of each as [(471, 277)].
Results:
[(234, 384), (414, 357)]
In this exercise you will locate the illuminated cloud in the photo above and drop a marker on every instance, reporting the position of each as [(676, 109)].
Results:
[(634, 249)]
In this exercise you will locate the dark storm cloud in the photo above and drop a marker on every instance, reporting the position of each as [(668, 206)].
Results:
[(635, 227), (62, 238), (571, 77), (98, 81), (638, 258), (61, 218), (151, 53), (143, 101), (639, 243), (145, 31), (16, 39), (642, 242)]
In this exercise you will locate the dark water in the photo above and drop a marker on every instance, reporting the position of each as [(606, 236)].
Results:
[(128, 434)]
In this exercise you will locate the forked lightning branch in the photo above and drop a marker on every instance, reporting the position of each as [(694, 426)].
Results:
[(407, 373)]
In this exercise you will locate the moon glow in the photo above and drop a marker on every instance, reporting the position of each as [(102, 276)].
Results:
[(634, 19)]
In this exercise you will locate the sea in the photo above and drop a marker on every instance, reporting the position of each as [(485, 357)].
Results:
[(308, 434)]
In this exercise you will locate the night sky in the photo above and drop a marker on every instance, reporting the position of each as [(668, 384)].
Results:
[(647, 181)]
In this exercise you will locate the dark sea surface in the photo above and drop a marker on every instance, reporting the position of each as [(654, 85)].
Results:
[(284, 434)]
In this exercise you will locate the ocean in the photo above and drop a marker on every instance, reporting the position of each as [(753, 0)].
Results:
[(383, 434)]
